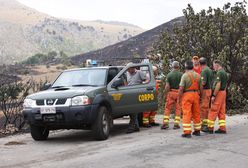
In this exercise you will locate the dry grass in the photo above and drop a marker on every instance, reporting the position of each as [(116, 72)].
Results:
[(42, 73), (22, 29), (15, 12)]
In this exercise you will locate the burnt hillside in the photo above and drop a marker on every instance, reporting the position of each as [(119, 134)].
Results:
[(9, 73), (133, 48)]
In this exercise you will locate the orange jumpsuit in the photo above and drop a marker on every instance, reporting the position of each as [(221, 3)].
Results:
[(171, 99), (218, 108), (191, 106), (173, 80), (149, 117), (205, 106)]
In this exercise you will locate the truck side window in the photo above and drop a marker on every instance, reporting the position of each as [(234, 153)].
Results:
[(138, 75), (111, 74)]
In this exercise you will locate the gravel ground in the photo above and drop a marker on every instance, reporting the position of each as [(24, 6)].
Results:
[(151, 147)]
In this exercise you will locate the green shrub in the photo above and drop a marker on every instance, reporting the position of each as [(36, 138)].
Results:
[(215, 34)]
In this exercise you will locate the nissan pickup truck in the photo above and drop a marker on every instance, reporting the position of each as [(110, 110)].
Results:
[(89, 98)]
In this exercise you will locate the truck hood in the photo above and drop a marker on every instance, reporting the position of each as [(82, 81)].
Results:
[(65, 92)]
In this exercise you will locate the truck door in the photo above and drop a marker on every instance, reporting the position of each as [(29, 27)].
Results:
[(133, 96)]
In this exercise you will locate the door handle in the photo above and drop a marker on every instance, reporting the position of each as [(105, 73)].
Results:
[(150, 88)]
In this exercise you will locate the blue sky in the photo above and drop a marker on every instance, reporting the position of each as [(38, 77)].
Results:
[(144, 13)]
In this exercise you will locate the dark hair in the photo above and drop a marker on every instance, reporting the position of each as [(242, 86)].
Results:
[(189, 65), (218, 62), (203, 61)]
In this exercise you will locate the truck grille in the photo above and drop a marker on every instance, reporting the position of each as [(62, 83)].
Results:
[(61, 101), (40, 102), (50, 102)]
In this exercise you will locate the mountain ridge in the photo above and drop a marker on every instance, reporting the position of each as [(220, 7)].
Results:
[(25, 31), (134, 48)]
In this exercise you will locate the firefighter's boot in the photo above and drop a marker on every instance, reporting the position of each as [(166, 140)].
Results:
[(165, 126), (196, 133), (219, 131), (176, 126)]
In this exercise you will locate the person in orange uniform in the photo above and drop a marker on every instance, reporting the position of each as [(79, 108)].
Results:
[(189, 89), (206, 78), (172, 85), (197, 67), (218, 100), (149, 117)]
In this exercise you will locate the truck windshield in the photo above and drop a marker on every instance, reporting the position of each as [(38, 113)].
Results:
[(82, 77)]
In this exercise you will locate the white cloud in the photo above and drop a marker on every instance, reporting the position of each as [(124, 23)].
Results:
[(144, 13)]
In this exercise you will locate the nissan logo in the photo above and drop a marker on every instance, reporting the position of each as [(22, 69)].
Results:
[(50, 102)]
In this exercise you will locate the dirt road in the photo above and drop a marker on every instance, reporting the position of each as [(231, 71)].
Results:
[(149, 148)]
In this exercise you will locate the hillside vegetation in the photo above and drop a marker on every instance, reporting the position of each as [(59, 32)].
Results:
[(132, 49), (25, 32), (216, 34)]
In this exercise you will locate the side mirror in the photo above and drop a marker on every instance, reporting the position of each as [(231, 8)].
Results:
[(117, 83), (46, 86)]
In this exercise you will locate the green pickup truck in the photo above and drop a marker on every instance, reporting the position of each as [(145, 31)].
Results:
[(89, 98)]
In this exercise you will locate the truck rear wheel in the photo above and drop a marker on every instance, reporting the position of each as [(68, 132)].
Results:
[(101, 127), (39, 133)]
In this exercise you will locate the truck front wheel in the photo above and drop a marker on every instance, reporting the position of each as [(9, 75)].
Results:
[(39, 133), (101, 127)]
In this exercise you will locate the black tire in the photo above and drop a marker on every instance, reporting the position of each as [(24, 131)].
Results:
[(39, 133), (101, 126)]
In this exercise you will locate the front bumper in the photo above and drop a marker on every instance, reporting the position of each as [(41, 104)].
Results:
[(72, 117)]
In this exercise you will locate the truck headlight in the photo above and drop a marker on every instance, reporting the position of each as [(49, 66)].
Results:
[(28, 103), (80, 100)]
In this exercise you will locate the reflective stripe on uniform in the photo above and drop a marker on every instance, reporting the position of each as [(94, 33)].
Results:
[(197, 127), (145, 120), (187, 129), (222, 121), (166, 117), (177, 117), (205, 122), (176, 121), (210, 122), (197, 124), (187, 125)]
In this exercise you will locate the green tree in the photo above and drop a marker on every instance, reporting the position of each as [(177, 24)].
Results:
[(215, 34), (40, 58), (51, 55), (65, 60), (36, 59)]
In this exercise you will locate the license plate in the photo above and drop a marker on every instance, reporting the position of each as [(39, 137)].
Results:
[(48, 110)]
